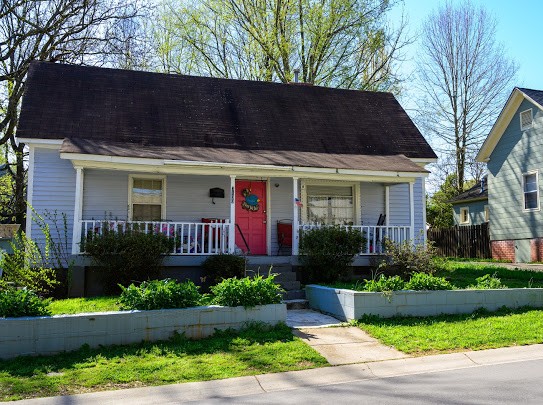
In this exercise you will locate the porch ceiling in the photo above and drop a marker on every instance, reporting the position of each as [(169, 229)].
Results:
[(283, 163)]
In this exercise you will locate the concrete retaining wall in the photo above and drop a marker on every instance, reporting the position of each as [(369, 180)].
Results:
[(351, 305), (49, 335)]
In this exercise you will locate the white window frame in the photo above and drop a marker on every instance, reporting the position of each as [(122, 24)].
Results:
[(486, 213), (536, 172), (317, 182), (131, 178), (461, 217), (524, 128)]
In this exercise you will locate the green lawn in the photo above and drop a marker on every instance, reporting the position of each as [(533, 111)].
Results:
[(78, 305), (227, 354), (449, 333)]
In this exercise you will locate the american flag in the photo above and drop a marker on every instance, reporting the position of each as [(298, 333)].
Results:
[(298, 202)]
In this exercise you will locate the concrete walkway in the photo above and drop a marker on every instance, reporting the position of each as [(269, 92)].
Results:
[(259, 384)]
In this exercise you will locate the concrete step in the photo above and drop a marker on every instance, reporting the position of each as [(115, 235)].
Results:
[(297, 304), (294, 295), (289, 285)]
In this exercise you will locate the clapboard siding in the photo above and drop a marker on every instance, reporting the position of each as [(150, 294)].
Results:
[(282, 207), (419, 202), (399, 205), (516, 153), (105, 194), (53, 190), (372, 198)]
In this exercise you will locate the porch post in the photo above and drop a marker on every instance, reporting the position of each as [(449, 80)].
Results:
[(411, 211), (232, 229), (387, 205), (78, 210), (295, 218)]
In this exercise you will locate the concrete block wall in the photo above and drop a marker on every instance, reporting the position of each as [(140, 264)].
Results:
[(352, 305), (49, 335)]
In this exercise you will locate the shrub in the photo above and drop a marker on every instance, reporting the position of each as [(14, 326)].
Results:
[(487, 282), (384, 283), (220, 267), (22, 302), (406, 258), (327, 252), (159, 294), (124, 257), (423, 281), (247, 292)]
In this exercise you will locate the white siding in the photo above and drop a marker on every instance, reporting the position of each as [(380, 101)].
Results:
[(282, 207), (105, 195), (399, 205), (54, 190)]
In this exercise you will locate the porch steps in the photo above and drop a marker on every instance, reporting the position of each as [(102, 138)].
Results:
[(293, 296)]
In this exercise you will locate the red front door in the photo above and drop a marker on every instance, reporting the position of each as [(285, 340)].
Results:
[(251, 215)]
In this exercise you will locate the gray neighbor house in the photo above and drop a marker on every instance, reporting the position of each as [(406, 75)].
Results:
[(471, 206), (513, 152), (219, 165)]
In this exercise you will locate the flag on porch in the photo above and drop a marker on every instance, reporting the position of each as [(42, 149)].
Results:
[(298, 202)]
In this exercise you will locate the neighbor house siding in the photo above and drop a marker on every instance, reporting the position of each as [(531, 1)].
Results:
[(476, 212), (516, 153), (53, 190)]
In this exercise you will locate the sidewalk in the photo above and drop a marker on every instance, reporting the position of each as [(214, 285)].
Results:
[(259, 384)]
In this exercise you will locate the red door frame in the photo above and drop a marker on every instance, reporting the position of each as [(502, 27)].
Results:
[(251, 201)]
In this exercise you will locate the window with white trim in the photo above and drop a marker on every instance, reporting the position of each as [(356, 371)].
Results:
[(330, 204), (147, 198), (526, 120), (464, 215), (487, 213), (531, 191)]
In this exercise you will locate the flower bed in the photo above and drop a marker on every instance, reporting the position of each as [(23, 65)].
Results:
[(351, 305), (54, 334)]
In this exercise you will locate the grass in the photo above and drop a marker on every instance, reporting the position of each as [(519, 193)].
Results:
[(450, 333), (255, 350), (79, 305)]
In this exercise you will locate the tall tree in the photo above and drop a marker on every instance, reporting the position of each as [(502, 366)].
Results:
[(337, 43), (464, 78), (73, 31)]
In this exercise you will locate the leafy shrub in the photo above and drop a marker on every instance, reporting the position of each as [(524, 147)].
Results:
[(423, 281), (22, 302), (327, 252), (220, 267), (247, 292), (384, 283), (159, 294), (124, 257), (487, 282), (406, 258)]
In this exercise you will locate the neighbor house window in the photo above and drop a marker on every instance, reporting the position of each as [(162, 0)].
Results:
[(464, 215), (526, 119), (531, 191), (487, 213), (330, 204), (147, 198)]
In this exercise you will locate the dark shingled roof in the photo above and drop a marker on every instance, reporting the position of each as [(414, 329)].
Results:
[(477, 192), (536, 95), (141, 110)]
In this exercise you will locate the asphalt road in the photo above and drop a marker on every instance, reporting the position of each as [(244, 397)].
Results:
[(512, 383)]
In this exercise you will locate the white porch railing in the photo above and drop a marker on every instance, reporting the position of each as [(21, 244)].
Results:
[(190, 238), (373, 235)]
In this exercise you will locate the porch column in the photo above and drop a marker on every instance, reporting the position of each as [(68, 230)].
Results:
[(411, 211), (387, 205), (232, 228), (295, 218), (78, 210)]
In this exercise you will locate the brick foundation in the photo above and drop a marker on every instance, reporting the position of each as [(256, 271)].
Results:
[(536, 250), (504, 250)]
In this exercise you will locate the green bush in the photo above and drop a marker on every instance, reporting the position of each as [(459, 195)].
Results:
[(247, 292), (159, 294), (384, 283), (223, 266), (22, 302), (423, 281), (487, 282), (327, 252), (406, 258), (122, 258)]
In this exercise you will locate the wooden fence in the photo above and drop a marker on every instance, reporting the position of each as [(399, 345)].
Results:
[(462, 241)]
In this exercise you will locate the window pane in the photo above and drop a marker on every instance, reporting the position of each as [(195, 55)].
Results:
[(330, 210), (530, 200), (146, 212), (147, 191), (530, 182)]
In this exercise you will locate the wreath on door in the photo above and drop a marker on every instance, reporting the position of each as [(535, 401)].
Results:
[(250, 201)]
